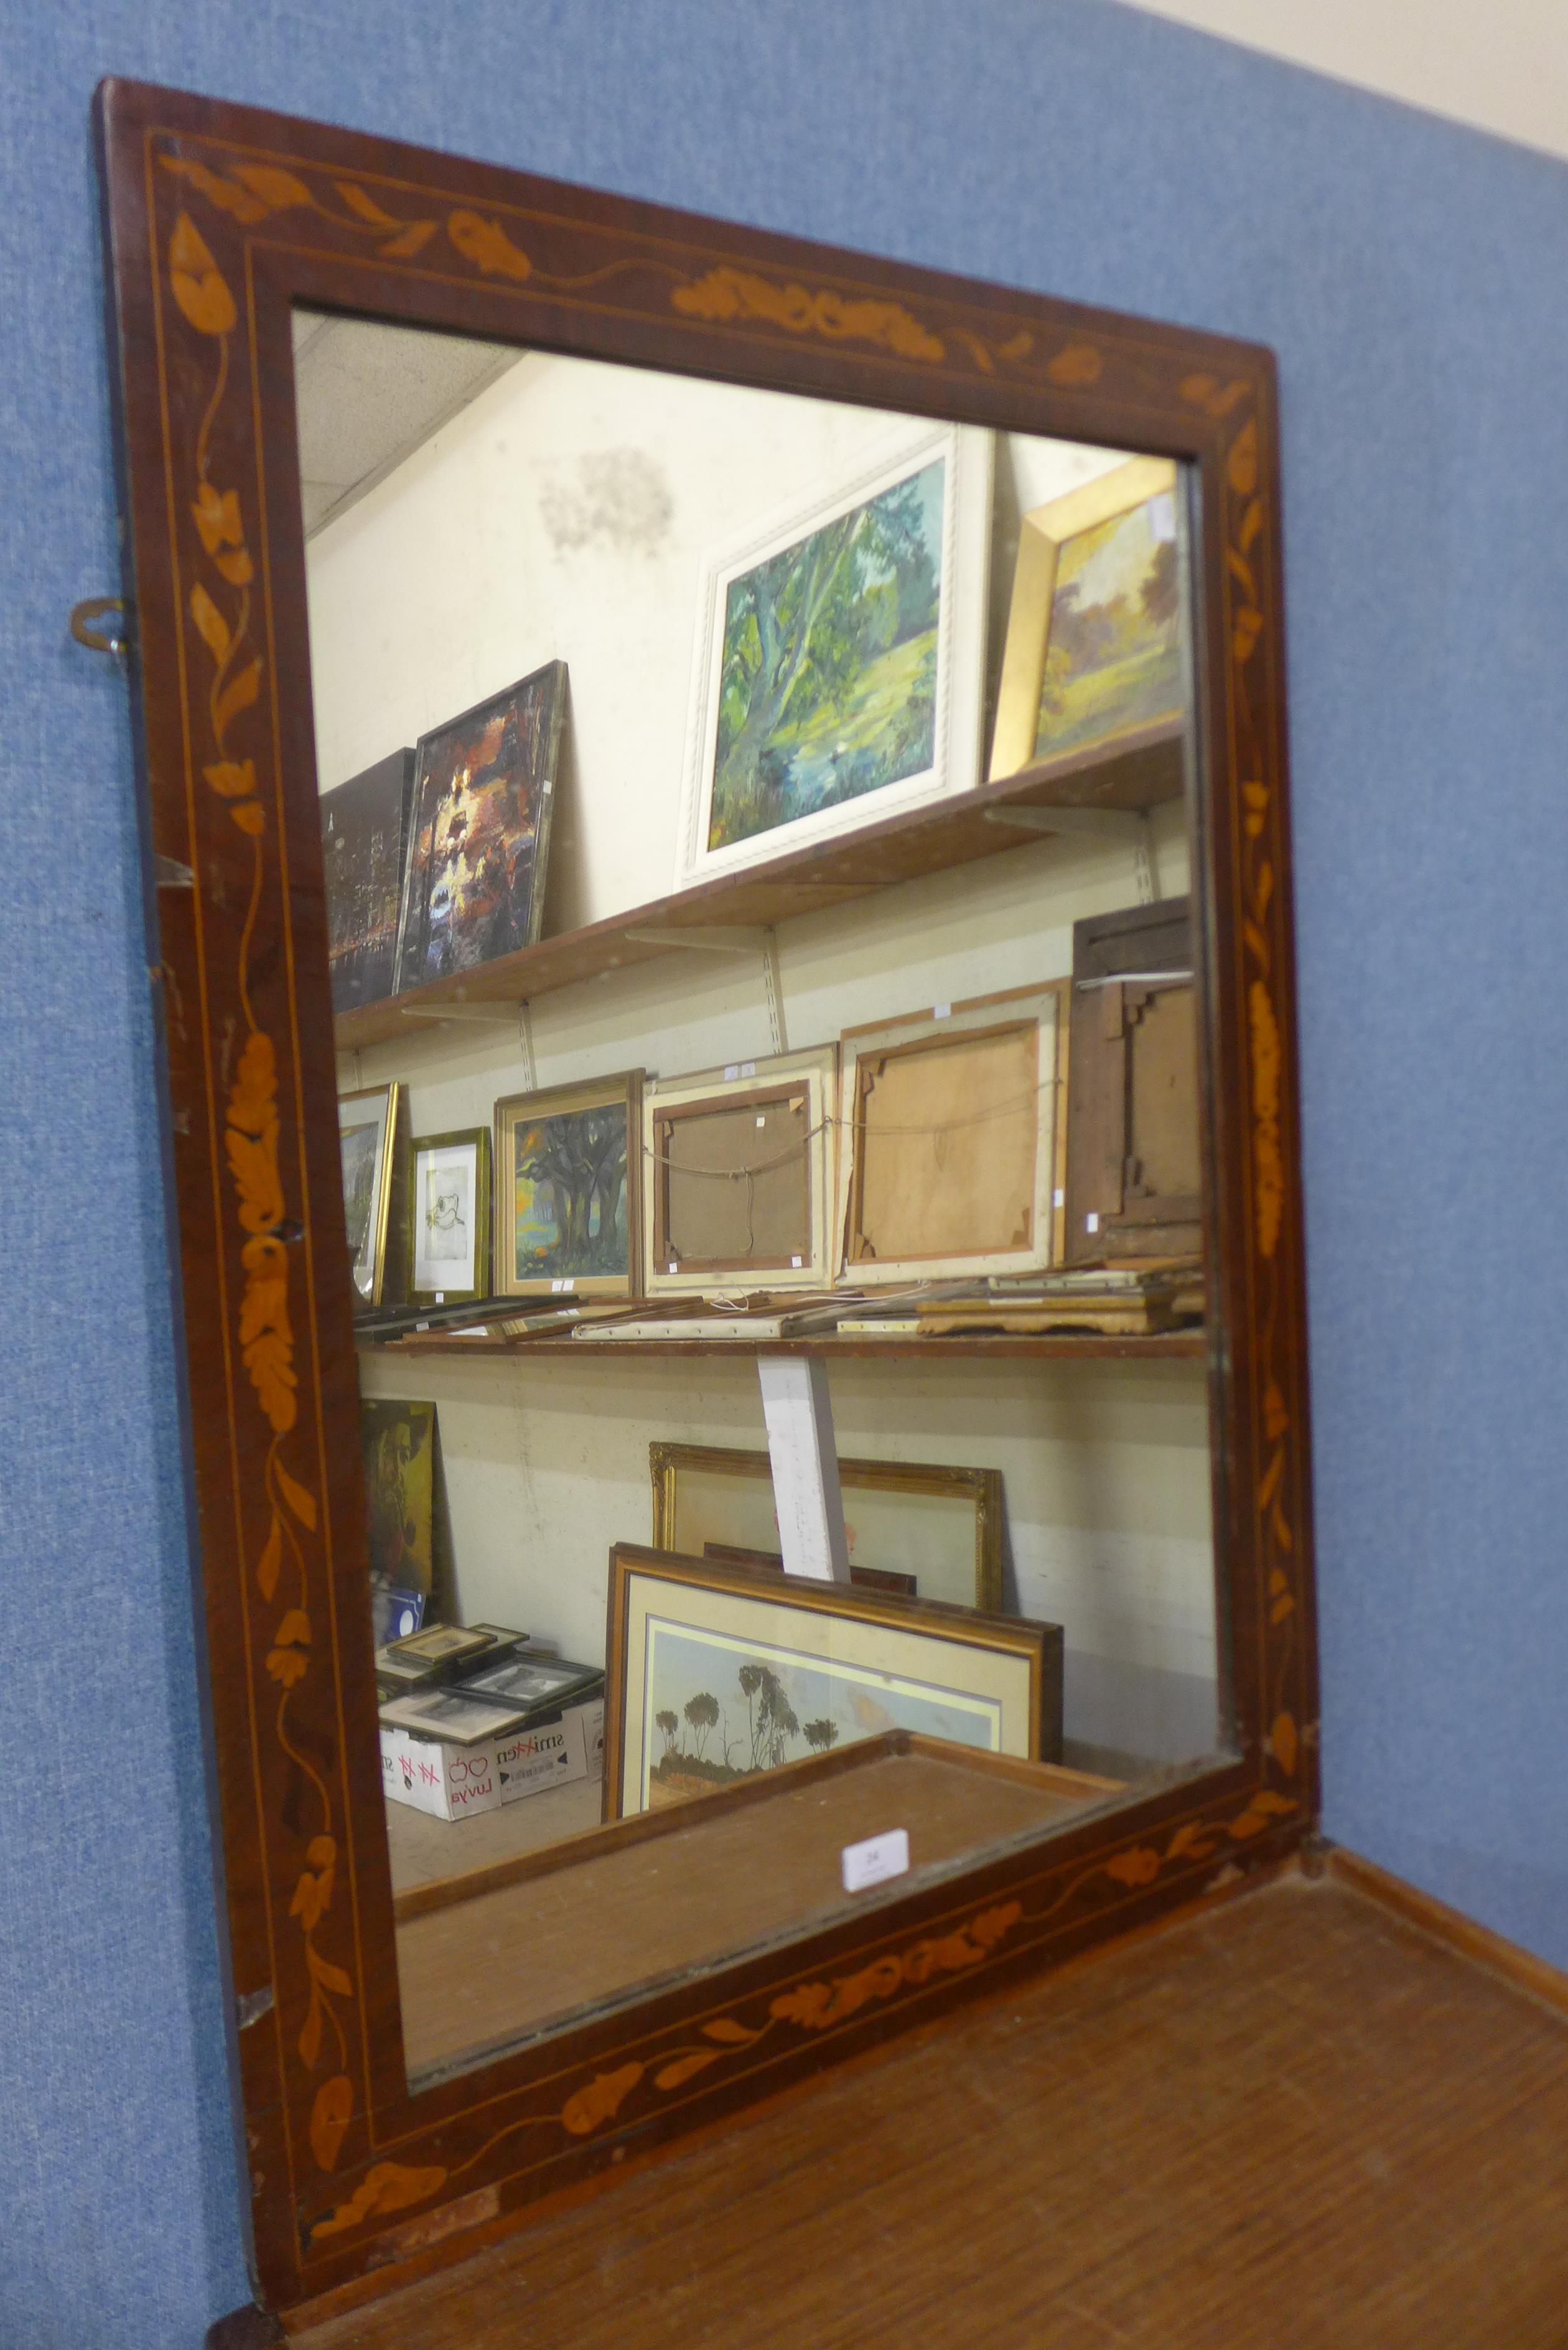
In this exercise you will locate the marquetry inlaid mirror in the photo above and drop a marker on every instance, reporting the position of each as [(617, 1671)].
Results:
[(716, 818)]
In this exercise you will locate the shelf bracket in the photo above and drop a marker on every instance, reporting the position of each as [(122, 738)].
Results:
[(525, 1046), (1122, 825), (1146, 873), (708, 938), (773, 988), (480, 1015), (733, 939), (805, 1461)]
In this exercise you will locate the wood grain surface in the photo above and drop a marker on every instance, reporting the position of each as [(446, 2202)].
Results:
[(1295, 2122), (607, 1912), (219, 220)]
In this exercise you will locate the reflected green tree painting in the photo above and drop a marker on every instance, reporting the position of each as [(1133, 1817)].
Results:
[(828, 687), (570, 1179)]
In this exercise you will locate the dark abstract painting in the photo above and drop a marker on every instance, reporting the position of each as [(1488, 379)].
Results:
[(479, 831)]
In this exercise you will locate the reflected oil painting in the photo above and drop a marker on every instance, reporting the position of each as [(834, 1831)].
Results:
[(1113, 658), (569, 1208), (827, 688), (479, 831)]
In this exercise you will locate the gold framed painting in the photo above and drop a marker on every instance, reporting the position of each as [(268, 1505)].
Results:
[(448, 1216), (1094, 640), (943, 1526), (951, 1137), (398, 1442), (716, 1673), (569, 1190), (738, 1175), (371, 1127)]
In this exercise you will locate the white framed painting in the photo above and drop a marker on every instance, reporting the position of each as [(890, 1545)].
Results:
[(450, 1220), (837, 676)]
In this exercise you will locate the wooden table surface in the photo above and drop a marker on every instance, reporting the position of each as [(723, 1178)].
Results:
[(1292, 2122)]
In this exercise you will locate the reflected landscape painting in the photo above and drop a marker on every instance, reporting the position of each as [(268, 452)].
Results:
[(719, 1709), (827, 688), (1112, 657), (570, 1209)]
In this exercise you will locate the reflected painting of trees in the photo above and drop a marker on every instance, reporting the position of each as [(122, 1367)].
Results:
[(571, 1174), (828, 681), (1114, 655)]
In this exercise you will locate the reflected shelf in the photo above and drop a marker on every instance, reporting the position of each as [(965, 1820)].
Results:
[(1143, 771), (1055, 1346)]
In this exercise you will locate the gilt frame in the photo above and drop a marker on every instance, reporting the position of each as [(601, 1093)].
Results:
[(217, 218)]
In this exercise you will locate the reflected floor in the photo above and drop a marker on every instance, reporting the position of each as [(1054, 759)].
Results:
[(484, 1957)]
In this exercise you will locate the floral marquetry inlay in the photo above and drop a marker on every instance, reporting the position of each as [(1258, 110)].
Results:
[(220, 609), (222, 219)]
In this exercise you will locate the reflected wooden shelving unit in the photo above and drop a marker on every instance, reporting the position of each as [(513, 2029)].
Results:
[(1091, 790), (1056, 1347)]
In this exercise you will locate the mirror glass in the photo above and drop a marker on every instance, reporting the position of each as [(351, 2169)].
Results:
[(772, 1175)]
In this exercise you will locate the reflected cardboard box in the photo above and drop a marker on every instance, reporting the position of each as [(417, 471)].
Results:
[(455, 1782)]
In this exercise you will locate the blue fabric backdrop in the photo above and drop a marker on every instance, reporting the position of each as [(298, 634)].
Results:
[(1410, 276)]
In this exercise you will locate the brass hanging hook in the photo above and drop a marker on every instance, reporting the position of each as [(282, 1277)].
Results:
[(97, 640)]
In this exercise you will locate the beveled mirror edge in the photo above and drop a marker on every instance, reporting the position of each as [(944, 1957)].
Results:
[(214, 214)]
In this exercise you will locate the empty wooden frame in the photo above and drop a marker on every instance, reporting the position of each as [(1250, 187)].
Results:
[(949, 1129), (944, 1524), (738, 1175)]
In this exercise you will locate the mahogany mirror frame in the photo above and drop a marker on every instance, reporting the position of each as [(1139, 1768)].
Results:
[(217, 219)]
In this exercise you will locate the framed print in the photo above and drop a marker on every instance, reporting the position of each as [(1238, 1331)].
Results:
[(449, 1217), (368, 1131), (950, 1123), (364, 841), (398, 1442), (1094, 633), (445, 1644), (569, 1190), (451, 1716), (502, 1638), (479, 830), (738, 1174), (838, 671), (533, 1682), (437, 1653), (716, 1673), (942, 1525)]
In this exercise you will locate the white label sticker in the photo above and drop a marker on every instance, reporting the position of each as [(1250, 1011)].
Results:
[(797, 1262), (874, 1860), (674, 1267), (732, 1071), (748, 1068), (941, 1012), (1091, 1224), (559, 1287), (441, 1298), (762, 1121), (1058, 1199)]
